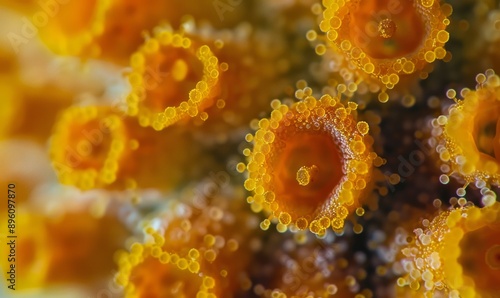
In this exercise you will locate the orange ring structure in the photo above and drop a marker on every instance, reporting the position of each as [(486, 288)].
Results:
[(456, 254), (173, 78), (311, 163), (191, 251), (386, 40), (468, 138), (100, 147)]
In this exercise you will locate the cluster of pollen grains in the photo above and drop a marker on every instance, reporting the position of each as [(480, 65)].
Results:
[(468, 138), (457, 254), (173, 77), (189, 252), (305, 267), (386, 40), (311, 163), (173, 275), (87, 146)]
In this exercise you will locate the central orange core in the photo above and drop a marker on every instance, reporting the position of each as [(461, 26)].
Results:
[(480, 258), (170, 75), (90, 145), (386, 29), (305, 150)]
